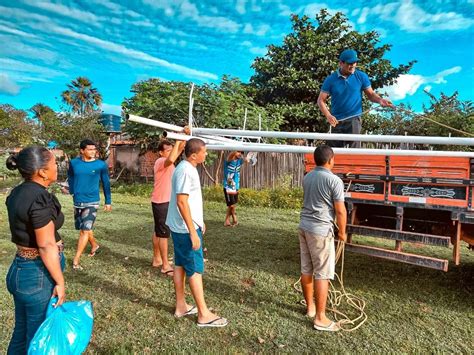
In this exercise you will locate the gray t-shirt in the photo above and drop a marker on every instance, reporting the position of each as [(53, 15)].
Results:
[(186, 181), (321, 189)]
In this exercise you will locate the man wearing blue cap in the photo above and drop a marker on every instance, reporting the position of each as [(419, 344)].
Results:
[(345, 87)]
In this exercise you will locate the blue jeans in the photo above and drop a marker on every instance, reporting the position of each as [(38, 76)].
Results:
[(31, 286)]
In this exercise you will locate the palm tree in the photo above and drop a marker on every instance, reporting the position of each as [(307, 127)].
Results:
[(81, 96)]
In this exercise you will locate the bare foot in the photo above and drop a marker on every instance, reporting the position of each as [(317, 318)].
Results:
[(156, 264), (94, 250), (311, 313)]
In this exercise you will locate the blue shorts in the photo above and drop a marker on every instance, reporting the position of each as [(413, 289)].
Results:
[(190, 260)]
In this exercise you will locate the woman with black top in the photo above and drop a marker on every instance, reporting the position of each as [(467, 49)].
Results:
[(35, 216)]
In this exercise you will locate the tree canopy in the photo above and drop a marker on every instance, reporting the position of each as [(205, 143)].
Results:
[(81, 97), (220, 106)]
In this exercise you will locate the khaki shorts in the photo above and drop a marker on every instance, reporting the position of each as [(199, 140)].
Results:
[(318, 255)]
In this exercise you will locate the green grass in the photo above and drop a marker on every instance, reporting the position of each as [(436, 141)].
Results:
[(249, 279)]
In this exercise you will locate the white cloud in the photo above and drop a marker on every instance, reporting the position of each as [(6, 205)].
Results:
[(63, 10), (258, 50), (408, 84), (412, 18), (260, 31), (363, 16), (240, 6), (113, 109), (16, 48), (19, 66), (312, 9), (284, 10), (247, 43), (427, 88), (186, 10), (8, 86), (256, 8), (16, 32), (121, 49)]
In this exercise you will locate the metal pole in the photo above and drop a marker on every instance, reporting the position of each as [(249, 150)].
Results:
[(280, 148), (338, 137), (154, 123), (190, 113)]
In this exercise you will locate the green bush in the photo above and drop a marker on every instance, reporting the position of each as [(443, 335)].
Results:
[(281, 197), (134, 189)]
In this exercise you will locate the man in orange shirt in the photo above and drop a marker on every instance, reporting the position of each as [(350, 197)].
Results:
[(160, 197)]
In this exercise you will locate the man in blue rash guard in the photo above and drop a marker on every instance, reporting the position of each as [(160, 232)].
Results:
[(84, 176)]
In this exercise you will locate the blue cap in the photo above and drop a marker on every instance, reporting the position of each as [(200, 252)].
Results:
[(348, 56)]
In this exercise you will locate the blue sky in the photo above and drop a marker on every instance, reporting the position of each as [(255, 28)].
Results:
[(44, 45)]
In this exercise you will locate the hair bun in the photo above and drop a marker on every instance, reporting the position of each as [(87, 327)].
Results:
[(11, 162)]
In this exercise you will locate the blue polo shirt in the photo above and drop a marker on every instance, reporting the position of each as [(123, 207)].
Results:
[(346, 93)]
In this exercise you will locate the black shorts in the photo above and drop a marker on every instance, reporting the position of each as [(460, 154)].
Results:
[(350, 126), (231, 199), (160, 210)]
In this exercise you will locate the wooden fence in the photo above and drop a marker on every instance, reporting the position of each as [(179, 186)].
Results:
[(272, 170)]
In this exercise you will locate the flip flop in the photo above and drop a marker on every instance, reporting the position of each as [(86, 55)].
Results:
[(332, 327), (168, 273), (189, 312), (95, 251), (77, 267), (215, 323)]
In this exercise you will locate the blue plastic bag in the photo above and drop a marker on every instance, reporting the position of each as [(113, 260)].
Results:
[(67, 329)]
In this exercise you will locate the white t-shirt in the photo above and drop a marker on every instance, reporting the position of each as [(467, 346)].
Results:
[(185, 180)]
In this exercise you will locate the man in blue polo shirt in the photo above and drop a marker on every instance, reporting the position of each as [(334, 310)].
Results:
[(84, 176), (345, 87)]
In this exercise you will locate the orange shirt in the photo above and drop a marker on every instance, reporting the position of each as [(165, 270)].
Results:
[(162, 181)]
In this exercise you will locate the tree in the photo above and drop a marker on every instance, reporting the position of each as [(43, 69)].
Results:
[(49, 127), (81, 97), (289, 78), (16, 129), (215, 106)]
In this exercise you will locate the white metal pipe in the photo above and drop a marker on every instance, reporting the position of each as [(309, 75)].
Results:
[(280, 148), (190, 112), (154, 123), (185, 137), (338, 137)]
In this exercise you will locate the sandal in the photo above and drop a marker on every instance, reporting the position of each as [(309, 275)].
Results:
[(189, 312), (332, 327), (215, 323), (169, 273), (77, 267)]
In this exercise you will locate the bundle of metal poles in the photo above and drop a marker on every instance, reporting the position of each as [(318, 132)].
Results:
[(221, 139)]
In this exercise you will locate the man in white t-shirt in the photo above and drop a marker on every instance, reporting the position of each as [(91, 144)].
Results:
[(186, 222)]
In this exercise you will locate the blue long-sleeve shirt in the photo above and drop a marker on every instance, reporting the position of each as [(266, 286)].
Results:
[(84, 178)]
